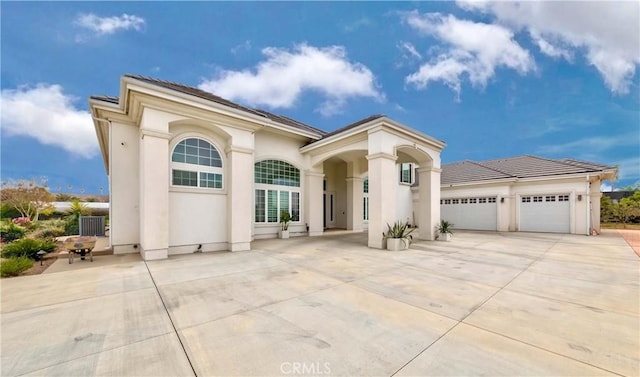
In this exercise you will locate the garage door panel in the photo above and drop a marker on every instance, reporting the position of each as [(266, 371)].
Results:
[(547, 213), (471, 216)]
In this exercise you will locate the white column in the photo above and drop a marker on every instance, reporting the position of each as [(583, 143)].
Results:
[(313, 199), (429, 202), (383, 182), (355, 206), (239, 185), (154, 194)]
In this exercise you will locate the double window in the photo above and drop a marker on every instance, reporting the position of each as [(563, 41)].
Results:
[(277, 190), (196, 163)]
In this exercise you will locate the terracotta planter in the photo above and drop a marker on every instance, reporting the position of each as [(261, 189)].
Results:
[(396, 244)]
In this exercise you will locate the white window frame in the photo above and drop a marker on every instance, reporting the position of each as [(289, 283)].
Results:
[(278, 188), (411, 173), (196, 168)]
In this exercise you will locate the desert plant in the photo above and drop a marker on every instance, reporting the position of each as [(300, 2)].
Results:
[(445, 227), (15, 266), (398, 235), (11, 232), (49, 232), (28, 247), (285, 219), (72, 225), (398, 230)]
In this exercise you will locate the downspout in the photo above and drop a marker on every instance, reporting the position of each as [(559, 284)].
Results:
[(588, 206)]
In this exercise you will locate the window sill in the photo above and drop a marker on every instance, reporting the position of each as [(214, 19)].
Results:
[(198, 190)]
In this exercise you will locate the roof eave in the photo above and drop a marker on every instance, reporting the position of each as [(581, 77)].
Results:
[(437, 144), (130, 82)]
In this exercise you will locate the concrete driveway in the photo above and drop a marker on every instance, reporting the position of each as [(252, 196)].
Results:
[(482, 304)]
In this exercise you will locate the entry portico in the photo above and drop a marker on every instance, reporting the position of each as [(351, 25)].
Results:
[(374, 148)]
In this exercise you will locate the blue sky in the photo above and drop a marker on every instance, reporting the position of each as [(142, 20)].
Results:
[(493, 79)]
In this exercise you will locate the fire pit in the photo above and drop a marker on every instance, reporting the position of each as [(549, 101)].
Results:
[(80, 245)]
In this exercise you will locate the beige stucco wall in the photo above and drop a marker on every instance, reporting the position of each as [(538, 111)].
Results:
[(124, 220)]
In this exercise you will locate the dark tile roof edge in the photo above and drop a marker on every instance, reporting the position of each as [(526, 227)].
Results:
[(354, 125), (190, 90), (110, 99)]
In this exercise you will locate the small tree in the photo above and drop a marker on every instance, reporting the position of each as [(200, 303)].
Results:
[(629, 208), (28, 197)]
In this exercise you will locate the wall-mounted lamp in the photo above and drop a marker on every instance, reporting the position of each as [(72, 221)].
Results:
[(579, 198), (501, 200)]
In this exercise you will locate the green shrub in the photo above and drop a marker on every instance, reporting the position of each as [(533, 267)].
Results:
[(15, 266), (48, 232), (11, 232), (72, 227), (27, 247)]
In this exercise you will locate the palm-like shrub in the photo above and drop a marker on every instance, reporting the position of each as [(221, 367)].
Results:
[(28, 247)]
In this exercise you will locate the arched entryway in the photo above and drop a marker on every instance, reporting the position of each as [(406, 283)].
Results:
[(390, 155)]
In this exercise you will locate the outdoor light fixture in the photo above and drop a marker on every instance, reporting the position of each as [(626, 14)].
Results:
[(501, 200), (41, 255), (579, 198)]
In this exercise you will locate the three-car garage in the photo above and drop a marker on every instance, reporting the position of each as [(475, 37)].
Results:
[(526, 193)]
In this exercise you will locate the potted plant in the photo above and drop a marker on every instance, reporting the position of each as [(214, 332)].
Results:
[(398, 236), (444, 230), (285, 219)]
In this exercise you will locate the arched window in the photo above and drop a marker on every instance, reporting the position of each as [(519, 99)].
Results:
[(196, 163), (277, 190)]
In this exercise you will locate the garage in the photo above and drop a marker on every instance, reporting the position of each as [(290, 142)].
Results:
[(545, 213), (474, 213)]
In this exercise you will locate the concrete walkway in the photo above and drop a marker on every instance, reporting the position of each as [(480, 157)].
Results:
[(482, 304)]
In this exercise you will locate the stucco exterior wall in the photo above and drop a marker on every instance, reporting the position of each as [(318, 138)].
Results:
[(197, 219), (404, 198), (124, 216)]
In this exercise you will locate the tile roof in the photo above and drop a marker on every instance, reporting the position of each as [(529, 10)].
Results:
[(211, 97), (515, 167), (354, 124)]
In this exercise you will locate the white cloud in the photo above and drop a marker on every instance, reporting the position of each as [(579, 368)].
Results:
[(109, 25), (409, 51), (591, 144), (607, 32), (280, 80), (242, 47), (473, 49), (48, 115), (553, 50)]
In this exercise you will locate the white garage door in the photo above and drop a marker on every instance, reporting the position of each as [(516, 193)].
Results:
[(470, 213), (545, 213)]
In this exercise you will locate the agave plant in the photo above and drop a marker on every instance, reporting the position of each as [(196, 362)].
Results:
[(398, 230)]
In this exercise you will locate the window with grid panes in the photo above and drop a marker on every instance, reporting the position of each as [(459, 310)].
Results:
[(277, 189), (196, 163)]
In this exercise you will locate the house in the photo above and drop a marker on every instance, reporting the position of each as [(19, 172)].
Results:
[(525, 193), (189, 171), (617, 196)]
